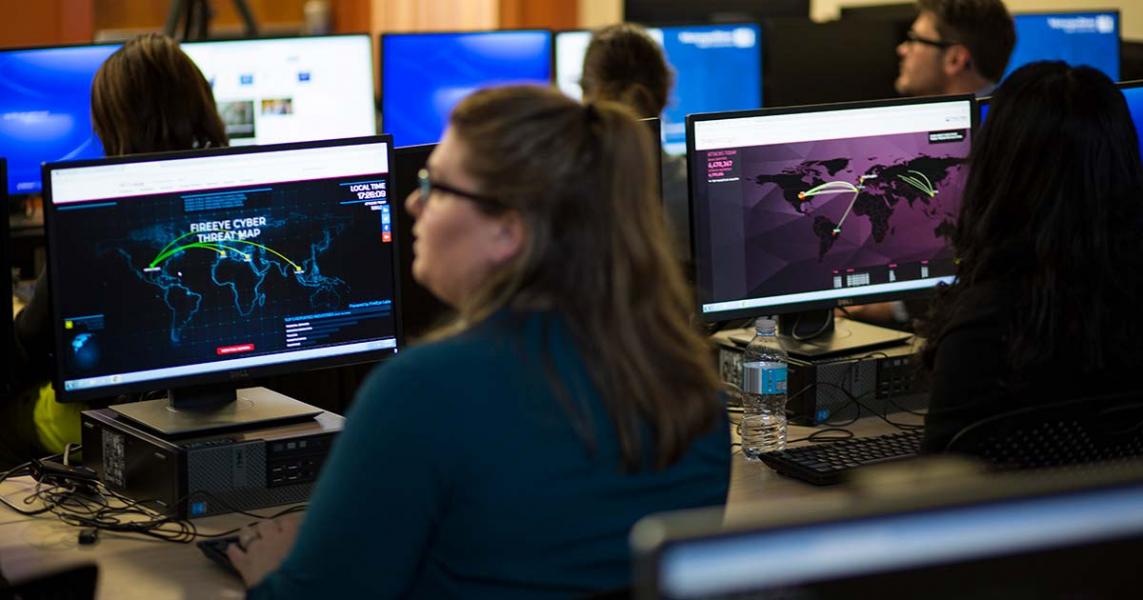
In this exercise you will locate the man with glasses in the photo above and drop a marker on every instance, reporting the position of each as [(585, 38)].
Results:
[(955, 47)]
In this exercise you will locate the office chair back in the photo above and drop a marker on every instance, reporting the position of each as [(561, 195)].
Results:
[(1072, 432), (71, 583)]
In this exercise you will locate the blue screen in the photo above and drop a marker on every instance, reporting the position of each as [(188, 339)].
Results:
[(425, 75), (45, 109), (1134, 96), (1076, 38), (717, 68)]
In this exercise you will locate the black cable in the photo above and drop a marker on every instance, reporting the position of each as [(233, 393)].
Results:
[(823, 436), (806, 338), (916, 413), (93, 504)]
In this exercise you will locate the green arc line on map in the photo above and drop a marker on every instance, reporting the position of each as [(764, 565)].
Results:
[(838, 187), (212, 247), (921, 182), (219, 247), (831, 187)]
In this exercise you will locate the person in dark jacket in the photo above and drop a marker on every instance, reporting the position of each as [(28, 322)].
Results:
[(1045, 306)]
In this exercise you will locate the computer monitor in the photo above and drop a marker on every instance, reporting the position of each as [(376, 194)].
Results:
[(45, 109), (1058, 535), (420, 309), (424, 75), (716, 67), (272, 91), (795, 209), (837, 61), (267, 90), (711, 11), (1078, 38), (1133, 93), (201, 270)]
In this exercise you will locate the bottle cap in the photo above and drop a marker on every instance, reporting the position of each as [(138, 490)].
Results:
[(765, 326)]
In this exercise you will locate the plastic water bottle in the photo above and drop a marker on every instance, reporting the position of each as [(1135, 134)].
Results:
[(764, 368)]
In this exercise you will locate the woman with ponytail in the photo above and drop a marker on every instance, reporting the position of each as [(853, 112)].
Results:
[(510, 454)]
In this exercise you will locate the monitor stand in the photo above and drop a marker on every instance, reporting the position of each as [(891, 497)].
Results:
[(812, 335), (818, 334), (205, 409)]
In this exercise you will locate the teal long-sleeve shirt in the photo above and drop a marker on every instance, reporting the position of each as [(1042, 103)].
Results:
[(460, 473)]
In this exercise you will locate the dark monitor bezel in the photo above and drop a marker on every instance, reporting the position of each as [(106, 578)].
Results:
[(652, 537), (236, 377), (119, 44), (7, 326), (423, 311), (793, 307), (802, 58), (380, 68)]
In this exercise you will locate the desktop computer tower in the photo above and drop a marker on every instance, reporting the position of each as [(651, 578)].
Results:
[(821, 390), (198, 475)]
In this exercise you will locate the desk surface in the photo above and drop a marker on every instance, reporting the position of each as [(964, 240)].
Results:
[(129, 567), (139, 568), (751, 482)]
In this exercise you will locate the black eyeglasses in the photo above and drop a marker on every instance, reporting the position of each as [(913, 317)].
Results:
[(426, 185), (913, 38)]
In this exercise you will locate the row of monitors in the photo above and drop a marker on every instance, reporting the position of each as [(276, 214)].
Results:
[(224, 264), (296, 89), (282, 90)]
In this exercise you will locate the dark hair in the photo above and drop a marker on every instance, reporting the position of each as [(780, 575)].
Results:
[(582, 178), (1053, 211), (624, 64), (150, 97), (982, 26)]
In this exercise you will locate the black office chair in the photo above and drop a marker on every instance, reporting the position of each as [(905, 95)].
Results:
[(72, 583), (1072, 432)]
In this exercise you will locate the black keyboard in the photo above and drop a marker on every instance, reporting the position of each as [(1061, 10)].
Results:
[(827, 463)]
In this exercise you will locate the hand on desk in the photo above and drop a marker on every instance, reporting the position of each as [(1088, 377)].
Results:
[(264, 546)]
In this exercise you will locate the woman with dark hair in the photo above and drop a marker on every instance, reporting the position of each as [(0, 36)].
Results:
[(146, 97), (1050, 276), (510, 455), (149, 96), (624, 64)]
